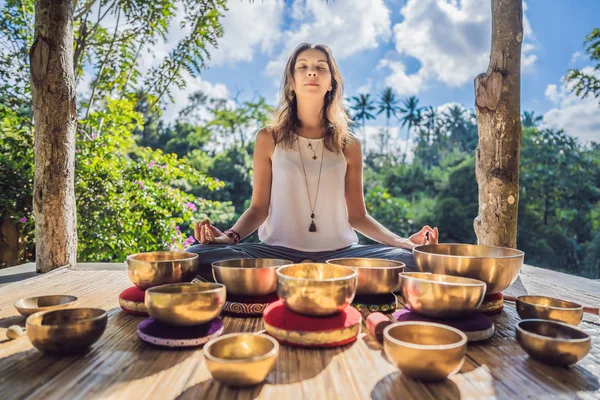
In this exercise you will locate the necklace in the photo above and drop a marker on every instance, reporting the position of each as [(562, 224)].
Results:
[(314, 157), (312, 227)]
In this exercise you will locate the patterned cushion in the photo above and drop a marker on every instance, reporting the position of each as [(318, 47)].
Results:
[(492, 304), (248, 306), (384, 303)]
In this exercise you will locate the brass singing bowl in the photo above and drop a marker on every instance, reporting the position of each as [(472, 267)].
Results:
[(552, 342), (316, 289), (161, 267), (425, 350), (542, 307), (498, 267), (185, 304), (375, 275), (65, 331), (441, 296), (248, 277), (32, 305), (241, 359)]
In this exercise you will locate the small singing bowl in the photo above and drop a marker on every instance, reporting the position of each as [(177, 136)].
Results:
[(248, 277), (375, 275), (241, 359), (441, 296), (161, 267), (542, 307), (32, 305), (552, 342), (66, 331), (425, 350), (185, 304), (316, 289)]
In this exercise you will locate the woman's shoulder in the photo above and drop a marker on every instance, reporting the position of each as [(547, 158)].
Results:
[(265, 139)]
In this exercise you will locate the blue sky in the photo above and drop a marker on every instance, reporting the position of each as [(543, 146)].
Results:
[(430, 48)]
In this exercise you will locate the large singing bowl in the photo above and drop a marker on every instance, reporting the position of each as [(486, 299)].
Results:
[(498, 267)]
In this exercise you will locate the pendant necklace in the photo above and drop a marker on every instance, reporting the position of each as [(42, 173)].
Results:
[(312, 227), (314, 157)]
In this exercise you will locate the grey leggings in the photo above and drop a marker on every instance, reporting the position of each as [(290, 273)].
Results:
[(209, 253)]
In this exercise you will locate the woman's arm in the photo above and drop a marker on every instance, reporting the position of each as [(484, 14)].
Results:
[(358, 217), (258, 211)]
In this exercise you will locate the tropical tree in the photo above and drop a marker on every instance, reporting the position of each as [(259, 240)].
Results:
[(388, 104), (530, 120), (362, 106), (411, 118)]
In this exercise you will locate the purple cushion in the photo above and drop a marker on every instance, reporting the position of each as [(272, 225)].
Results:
[(154, 332), (476, 326)]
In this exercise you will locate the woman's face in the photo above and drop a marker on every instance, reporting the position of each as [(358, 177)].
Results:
[(312, 77)]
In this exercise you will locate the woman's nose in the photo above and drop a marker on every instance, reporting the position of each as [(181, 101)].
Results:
[(313, 73)]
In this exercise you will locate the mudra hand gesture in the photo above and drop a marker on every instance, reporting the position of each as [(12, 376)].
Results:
[(205, 233), (426, 235)]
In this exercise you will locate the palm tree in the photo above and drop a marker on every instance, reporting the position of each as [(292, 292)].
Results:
[(456, 124), (412, 118), (388, 104), (363, 106), (530, 120)]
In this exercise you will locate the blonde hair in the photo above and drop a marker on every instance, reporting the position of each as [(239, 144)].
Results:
[(335, 119)]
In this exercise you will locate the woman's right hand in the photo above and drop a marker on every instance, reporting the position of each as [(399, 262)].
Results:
[(205, 233)]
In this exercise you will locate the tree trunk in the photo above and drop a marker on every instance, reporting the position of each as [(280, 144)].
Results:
[(497, 104), (55, 122)]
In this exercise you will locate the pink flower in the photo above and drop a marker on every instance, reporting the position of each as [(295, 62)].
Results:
[(141, 185), (152, 164), (177, 228), (191, 206), (188, 242), (76, 151), (23, 220), (94, 136)]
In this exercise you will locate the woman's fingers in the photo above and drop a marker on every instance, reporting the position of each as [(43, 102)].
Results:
[(197, 232)]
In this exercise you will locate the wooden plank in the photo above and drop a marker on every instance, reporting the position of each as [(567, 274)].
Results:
[(121, 366)]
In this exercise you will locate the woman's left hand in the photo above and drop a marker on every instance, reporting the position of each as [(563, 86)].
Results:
[(421, 237)]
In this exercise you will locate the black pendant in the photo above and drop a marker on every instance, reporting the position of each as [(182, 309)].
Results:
[(315, 157), (312, 228)]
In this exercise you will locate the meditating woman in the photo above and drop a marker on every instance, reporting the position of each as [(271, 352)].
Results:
[(307, 197)]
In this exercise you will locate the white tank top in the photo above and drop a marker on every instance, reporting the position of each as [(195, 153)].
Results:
[(289, 212)]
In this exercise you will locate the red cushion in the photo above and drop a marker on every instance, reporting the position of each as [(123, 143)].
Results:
[(299, 330), (492, 304), (281, 317), (132, 301)]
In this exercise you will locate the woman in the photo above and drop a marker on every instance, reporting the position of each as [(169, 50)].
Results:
[(307, 197)]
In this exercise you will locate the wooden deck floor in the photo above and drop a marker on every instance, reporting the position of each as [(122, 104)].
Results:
[(120, 366)]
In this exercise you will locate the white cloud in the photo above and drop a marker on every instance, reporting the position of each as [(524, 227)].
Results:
[(578, 117), (216, 91), (366, 88), (450, 39), (403, 83), (347, 27), (248, 26), (575, 57)]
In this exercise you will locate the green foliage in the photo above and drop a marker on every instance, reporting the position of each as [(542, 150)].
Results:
[(585, 83)]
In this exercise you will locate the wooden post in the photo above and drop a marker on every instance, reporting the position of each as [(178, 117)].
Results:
[(498, 107), (55, 122)]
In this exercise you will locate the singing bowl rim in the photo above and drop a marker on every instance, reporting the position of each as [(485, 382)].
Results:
[(576, 306), (285, 264), (35, 320), (425, 347), (17, 304), (569, 328), (421, 250), (475, 282), (281, 275), (163, 289), (189, 257), (274, 351), (400, 264)]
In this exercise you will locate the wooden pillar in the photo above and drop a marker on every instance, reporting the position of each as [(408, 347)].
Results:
[(498, 109)]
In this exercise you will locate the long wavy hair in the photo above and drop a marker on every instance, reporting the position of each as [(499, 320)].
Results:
[(334, 118)]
